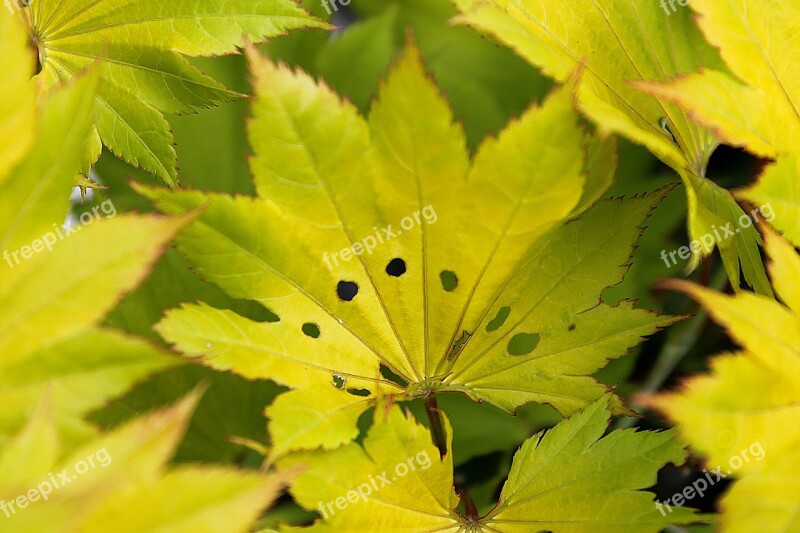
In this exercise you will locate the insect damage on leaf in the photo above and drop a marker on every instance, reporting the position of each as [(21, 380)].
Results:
[(392, 316)]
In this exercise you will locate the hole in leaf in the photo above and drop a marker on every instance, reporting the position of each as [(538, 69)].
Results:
[(311, 330), (523, 343), (449, 280), (396, 267), (498, 320), (358, 392), (387, 373), (339, 381), (346, 290), (459, 345)]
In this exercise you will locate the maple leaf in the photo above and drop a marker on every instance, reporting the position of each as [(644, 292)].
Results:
[(56, 282), (615, 42), (495, 292), (567, 479), (106, 480), (748, 405), (757, 104), (57, 365), (140, 46)]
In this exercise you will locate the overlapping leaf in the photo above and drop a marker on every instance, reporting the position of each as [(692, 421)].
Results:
[(17, 105), (57, 473), (615, 42), (57, 282), (119, 481), (489, 291), (139, 45), (750, 400), (758, 105), (568, 479)]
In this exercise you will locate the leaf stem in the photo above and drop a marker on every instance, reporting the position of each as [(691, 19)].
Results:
[(470, 509), (435, 417)]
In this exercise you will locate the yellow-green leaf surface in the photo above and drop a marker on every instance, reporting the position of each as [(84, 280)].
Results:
[(119, 481), (621, 44), (139, 45), (79, 373), (41, 300), (422, 499), (757, 104), (17, 100), (478, 278), (46, 265), (748, 406), (56, 282), (778, 188), (568, 479), (300, 417)]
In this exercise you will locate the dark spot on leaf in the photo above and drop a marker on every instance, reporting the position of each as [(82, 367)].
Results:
[(571, 327), (523, 343), (449, 280), (396, 267), (387, 373), (311, 330), (358, 392), (498, 320), (339, 381), (346, 290)]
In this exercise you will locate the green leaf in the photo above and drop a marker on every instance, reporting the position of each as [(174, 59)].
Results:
[(571, 479), (57, 282), (756, 107), (567, 479), (486, 84), (41, 300), (743, 415), (77, 378), (299, 417), (110, 478), (36, 194), (17, 102), (328, 179), (139, 45), (614, 43), (423, 499), (777, 194), (616, 40), (759, 110)]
